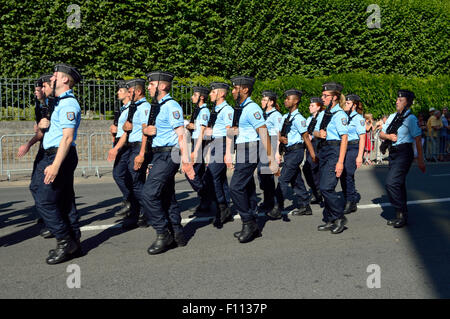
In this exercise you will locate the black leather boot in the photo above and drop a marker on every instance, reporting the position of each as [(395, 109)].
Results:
[(130, 222), (161, 244), (317, 197), (204, 206), (66, 249), (264, 208), (125, 209), (302, 210), (391, 222), (402, 220), (350, 207), (249, 232), (45, 233), (142, 221), (327, 226), (275, 213), (339, 225), (180, 239), (223, 215)]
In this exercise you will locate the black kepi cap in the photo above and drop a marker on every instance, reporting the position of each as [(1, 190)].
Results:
[(293, 92), (332, 86), (70, 70), (243, 80), (134, 82), (219, 85), (269, 94), (160, 76), (204, 91)]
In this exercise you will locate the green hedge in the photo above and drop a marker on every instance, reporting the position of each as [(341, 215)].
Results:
[(264, 38)]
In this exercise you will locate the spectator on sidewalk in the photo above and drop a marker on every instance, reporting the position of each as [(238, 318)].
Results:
[(434, 125), (443, 136), (369, 138)]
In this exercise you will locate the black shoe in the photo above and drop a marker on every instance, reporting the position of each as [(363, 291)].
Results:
[(66, 249), (180, 239), (39, 221), (142, 221), (350, 207), (327, 226), (275, 213), (249, 232), (203, 208), (125, 209), (161, 244), (302, 210), (129, 223), (264, 208), (223, 215), (237, 234), (46, 233), (77, 253), (401, 221), (339, 225), (317, 198), (391, 222)]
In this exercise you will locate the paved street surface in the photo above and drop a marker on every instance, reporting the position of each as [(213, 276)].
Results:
[(291, 260)]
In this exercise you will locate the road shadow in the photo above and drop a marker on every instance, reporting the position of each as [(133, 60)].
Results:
[(428, 225)]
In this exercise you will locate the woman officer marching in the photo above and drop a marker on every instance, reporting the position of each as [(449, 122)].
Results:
[(332, 128), (401, 129), (355, 150)]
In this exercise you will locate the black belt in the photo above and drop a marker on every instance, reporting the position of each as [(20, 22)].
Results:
[(162, 149), (135, 144), (332, 143), (294, 147), (401, 147), (353, 142), (54, 150)]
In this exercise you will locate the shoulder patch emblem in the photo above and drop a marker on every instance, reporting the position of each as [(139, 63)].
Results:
[(146, 112), (303, 123), (205, 117), (344, 121), (71, 116), (230, 116), (257, 115), (279, 119), (362, 122), (176, 115)]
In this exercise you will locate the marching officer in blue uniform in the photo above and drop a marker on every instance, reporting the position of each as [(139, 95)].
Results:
[(168, 141), (355, 150), (120, 152), (273, 122), (41, 101), (294, 137), (136, 159), (249, 127), (56, 198), (332, 128), (202, 182), (401, 130), (221, 119), (310, 168)]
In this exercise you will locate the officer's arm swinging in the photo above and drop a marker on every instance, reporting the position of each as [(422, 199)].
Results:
[(342, 152), (265, 140), (52, 170), (113, 152), (199, 143), (309, 146), (139, 159), (186, 164), (362, 143)]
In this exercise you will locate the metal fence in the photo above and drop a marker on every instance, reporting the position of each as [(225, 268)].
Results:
[(97, 98)]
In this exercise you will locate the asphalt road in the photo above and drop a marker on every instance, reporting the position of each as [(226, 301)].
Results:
[(291, 260)]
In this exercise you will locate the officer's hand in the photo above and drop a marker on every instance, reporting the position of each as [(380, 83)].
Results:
[(150, 130), (421, 165), (113, 129), (44, 124), (208, 131), (359, 162), (274, 168), (23, 149), (315, 159), (50, 173), (228, 160), (323, 134), (190, 126), (188, 169), (283, 139), (112, 154), (278, 158), (232, 131), (35, 128), (393, 137), (193, 157), (339, 169), (127, 127), (138, 160)]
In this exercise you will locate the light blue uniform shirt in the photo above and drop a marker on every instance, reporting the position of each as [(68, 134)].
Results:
[(251, 119), (201, 120), (140, 117), (408, 131), (67, 114), (169, 118), (273, 122), (224, 119), (337, 126), (122, 119), (298, 127), (356, 126)]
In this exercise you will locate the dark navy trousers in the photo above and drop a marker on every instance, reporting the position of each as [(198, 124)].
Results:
[(348, 174), (56, 201), (203, 181), (34, 184), (242, 185), (334, 207), (218, 170), (265, 177), (137, 179), (400, 160), (121, 174), (158, 194), (311, 170)]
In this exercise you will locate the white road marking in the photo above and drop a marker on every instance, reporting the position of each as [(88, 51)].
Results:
[(441, 175), (207, 219)]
